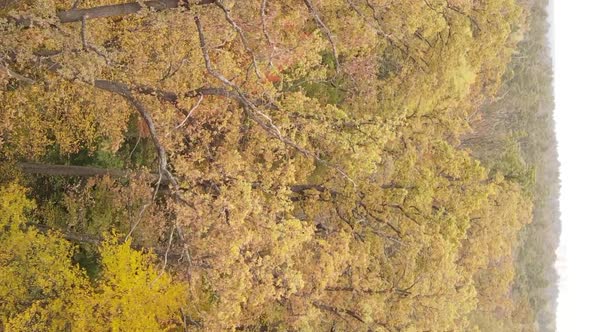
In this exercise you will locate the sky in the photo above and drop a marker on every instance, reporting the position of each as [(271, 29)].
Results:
[(572, 114)]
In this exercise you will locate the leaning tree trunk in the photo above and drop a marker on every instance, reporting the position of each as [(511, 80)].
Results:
[(78, 14), (69, 170)]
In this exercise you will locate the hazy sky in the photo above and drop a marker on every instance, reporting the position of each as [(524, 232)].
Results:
[(572, 115)]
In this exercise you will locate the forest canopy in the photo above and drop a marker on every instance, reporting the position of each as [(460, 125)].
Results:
[(296, 165)]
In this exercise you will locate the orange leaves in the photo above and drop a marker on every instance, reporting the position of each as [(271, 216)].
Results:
[(142, 128), (272, 77)]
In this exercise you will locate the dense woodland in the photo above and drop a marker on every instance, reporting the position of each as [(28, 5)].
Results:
[(293, 165)]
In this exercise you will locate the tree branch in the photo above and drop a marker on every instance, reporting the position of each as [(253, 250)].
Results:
[(75, 14), (16, 75), (265, 31), (325, 30), (124, 91), (258, 116), (240, 32), (375, 26), (339, 311), (69, 170), (94, 240)]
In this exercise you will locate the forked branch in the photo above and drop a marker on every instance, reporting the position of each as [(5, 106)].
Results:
[(240, 32), (262, 119), (325, 30)]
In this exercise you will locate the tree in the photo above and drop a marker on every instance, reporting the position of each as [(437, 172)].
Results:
[(306, 166), (42, 290)]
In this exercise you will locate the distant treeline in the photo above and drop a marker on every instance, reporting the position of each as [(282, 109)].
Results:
[(293, 165), (516, 134)]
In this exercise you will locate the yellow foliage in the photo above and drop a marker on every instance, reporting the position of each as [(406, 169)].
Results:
[(13, 205), (41, 290), (335, 197), (131, 295)]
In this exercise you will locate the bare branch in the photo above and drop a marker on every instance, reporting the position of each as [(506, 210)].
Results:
[(325, 30), (76, 15), (88, 171), (141, 212), (331, 309), (83, 33), (69, 170), (190, 112), (88, 46), (16, 75), (460, 12), (265, 31), (258, 116), (429, 5), (94, 240), (162, 159), (391, 39), (171, 72), (375, 25), (339, 311), (240, 32), (170, 238), (134, 147), (75, 4), (125, 92), (167, 96)]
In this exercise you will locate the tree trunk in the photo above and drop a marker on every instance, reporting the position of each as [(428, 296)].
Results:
[(84, 238), (76, 15), (69, 170)]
